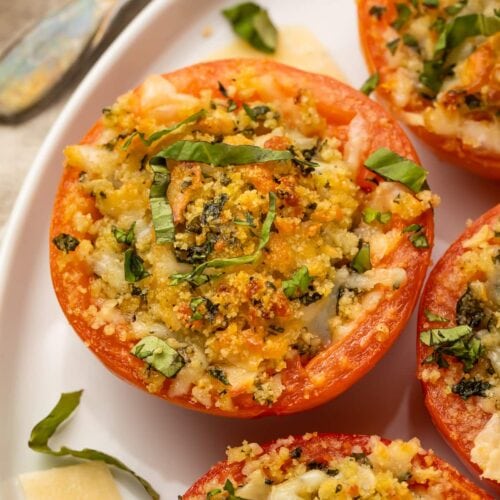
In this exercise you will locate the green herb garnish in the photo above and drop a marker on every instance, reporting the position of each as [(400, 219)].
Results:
[(220, 154), (361, 261), (377, 11), (471, 387), (257, 113), (159, 355), (161, 211), (411, 41), (431, 4), (404, 14), (298, 283), (134, 266), (47, 427), (252, 23), (418, 238), (126, 237), (453, 10), (370, 84), (161, 133), (247, 222), (435, 317), (219, 374), (393, 167), (370, 215), (65, 242), (393, 45)]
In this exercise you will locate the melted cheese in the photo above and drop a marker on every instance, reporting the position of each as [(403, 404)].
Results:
[(486, 450), (86, 481)]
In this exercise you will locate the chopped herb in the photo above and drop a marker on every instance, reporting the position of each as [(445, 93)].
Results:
[(313, 465), (161, 133), (472, 101), (453, 10), (412, 228), (469, 310), (229, 487), (161, 211), (213, 492), (435, 317), (370, 215), (222, 89), (332, 472), (252, 23), (338, 488), (134, 266), (431, 4), (231, 106), (410, 41), (439, 24), (247, 222), (127, 237), (370, 84), (471, 387), (432, 75), (361, 261), (296, 452), (213, 209), (309, 298), (196, 276), (418, 238), (299, 282), (256, 113), (65, 242), (377, 11), (219, 374), (47, 427), (393, 167), (211, 308), (393, 45), (440, 336), (404, 14), (220, 154), (159, 355), (361, 458)]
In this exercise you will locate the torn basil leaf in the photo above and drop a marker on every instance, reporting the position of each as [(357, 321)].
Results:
[(439, 336), (361, 261), (453, 10), (257, 113), (393, 167), (370, 84), (371, 215), (252, 23), (196, 276), (431, 4), (65, 242), (163, 132), (298, 283), (404, 14), (411, 41), (393, 45), (47, 427), (377, 11), (134, 267), (159, 355), (435, 317), (220, 154), (126, 237), (471, 387), (161, 211)]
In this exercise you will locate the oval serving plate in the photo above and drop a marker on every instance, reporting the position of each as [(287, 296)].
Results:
[(40, 357)]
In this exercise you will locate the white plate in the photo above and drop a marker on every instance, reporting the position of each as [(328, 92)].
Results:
[(40, 356)]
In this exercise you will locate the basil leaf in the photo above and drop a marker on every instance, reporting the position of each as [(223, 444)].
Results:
[(418, 238), (471, 387), (411, 41), (256, 113), (393, 167), (163, 132), (213, 492), (432, 75), (377, 11), (161, 211), (404, 14), (439, 336), (195, 276), (65, 242), (431, 4), (435, 317), (219, 374), (452, 10), (370, 84), (470, 25), (247, 222), (393, 45), (299, 282), (134, 267), (158, 354), (47, 427), (361, 261), (411, 228), (125, 237), (370, 215), (220, 154), (252, 23)]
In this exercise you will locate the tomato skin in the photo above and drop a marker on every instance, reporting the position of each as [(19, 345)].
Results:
[(479, 161), (322, 448), (458, 421), (323, 378)]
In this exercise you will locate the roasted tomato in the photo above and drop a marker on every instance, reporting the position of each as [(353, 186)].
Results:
[(327, 466), (218, 241), (459, 345), (438, 63)]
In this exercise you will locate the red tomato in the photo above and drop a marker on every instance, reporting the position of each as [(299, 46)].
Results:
[(323, 448), (337, 366), (457, 419), (373, 31)]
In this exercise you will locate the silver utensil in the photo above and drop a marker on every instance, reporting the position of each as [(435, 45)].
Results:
[(38, 65)]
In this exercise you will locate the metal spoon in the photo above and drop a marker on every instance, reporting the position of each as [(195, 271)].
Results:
[(36, 67)]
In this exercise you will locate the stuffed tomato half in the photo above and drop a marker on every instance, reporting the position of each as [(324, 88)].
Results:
[(459, 345), (333, 466), (241, 237), (437, 65)]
